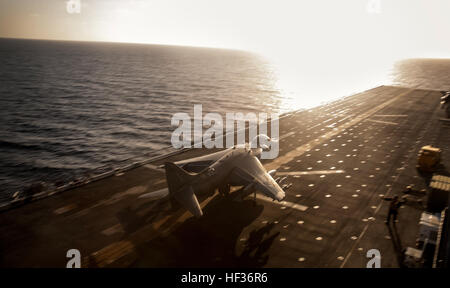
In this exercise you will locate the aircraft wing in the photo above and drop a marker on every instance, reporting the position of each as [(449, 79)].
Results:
[(252, 172), (197, 164)]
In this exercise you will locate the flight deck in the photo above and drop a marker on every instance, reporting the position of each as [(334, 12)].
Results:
[(344, 159)]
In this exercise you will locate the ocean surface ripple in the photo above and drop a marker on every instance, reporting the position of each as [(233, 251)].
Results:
[(69, 109)]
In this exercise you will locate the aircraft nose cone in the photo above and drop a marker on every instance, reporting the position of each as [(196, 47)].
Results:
[(280, 195)]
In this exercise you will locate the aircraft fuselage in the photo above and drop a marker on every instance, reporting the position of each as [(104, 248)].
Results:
[(218, 174)]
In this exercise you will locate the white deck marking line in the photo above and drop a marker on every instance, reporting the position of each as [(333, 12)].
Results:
[(110, 253), (288, 157), (382, 122), (332, 125), (383, 115), (286, 135), (65, 209), (153, 167), (317, 172), (312, 127), (113, 230), (331, 119), (283, 203), (345, 118)]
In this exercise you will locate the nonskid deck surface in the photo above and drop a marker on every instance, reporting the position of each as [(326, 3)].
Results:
[(342, 159)]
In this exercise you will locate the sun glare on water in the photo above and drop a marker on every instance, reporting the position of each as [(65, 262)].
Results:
[(305, 83)]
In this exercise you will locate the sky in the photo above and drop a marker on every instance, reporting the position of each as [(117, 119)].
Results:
[(294, 34), (404, 27)]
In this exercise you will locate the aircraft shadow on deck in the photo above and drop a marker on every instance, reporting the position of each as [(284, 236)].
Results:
[(210, 241)]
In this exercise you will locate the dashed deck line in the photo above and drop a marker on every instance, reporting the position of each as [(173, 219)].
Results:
[(317, 172), (385, 115), (288, 157), (382, 122), (287, 204)]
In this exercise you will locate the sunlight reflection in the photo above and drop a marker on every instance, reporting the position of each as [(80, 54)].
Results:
[(305, 83)]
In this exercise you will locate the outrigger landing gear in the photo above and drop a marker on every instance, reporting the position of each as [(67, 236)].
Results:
[(224, 190)]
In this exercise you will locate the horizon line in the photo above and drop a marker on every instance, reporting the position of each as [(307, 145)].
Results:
[(189, 46), (124, 42)]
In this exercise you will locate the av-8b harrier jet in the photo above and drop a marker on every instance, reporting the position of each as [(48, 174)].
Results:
[(236, 166)]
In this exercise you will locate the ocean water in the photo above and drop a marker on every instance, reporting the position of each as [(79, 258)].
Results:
[(71, 109), (74, 109)]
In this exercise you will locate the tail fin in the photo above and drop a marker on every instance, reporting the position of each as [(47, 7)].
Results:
[(179, 183), (177, 177)]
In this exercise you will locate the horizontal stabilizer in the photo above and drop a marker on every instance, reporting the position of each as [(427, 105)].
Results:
[(187, 198)]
